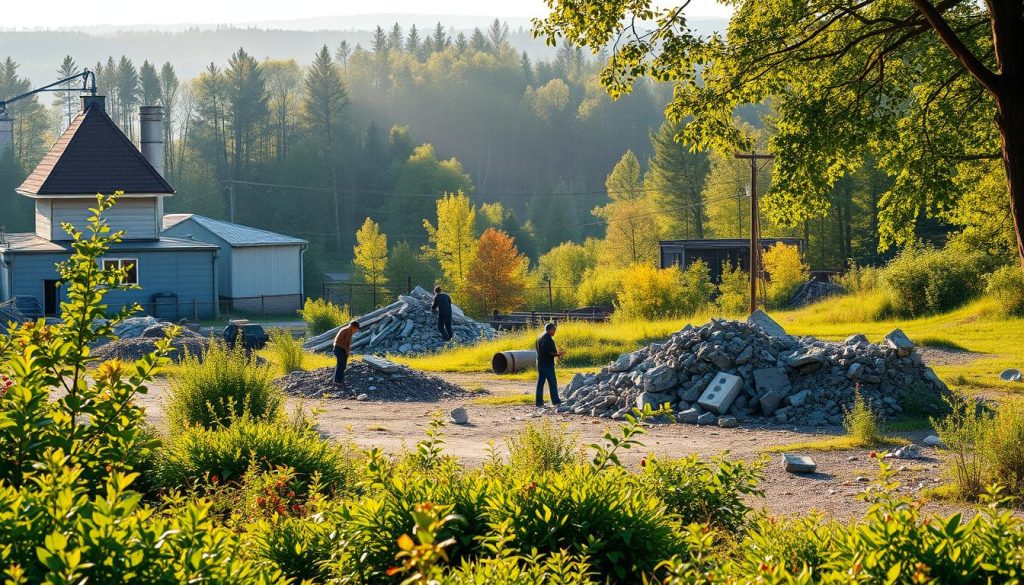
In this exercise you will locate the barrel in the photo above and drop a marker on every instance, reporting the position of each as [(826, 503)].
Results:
[(510, 362)]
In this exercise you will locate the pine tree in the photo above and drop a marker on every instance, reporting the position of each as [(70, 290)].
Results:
[(247, 95), (169, 88), (527, 67), (441, 41), (127, 84), (478, 42), (395, 38), (413, 43), (452, 241), (461, 44), (381, 59), (496, 280), (149, 84), (31, 126), (284, 84), (675, 183), (497, 36), (64, 99), (323, 104), (342, 54), (371, 255)]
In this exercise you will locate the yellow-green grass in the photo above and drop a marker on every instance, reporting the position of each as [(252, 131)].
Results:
[(834, 443), (503, 400)]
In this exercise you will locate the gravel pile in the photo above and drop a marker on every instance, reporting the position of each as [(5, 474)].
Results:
[(371, 379), (134, 348), (725, 372), (405, 327), (814, 291)]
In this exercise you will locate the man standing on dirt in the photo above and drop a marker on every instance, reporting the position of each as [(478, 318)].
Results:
[(443, 307), (546, 354), (342, 348)]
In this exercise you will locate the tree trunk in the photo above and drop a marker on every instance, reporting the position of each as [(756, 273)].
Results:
[(1011, 129)]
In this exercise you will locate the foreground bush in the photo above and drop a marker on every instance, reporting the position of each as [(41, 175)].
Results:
[(983, 448), (704, 493), (322, 315), (1006, 286), (224, 454), (221, 386), (787, 272)]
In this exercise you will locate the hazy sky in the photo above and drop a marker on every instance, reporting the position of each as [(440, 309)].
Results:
[(68, 13)]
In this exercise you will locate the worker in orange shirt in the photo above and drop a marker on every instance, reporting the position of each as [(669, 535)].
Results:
[(342, 349)]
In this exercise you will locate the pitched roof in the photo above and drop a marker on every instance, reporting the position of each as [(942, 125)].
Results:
[(94, 156), (233, 233)]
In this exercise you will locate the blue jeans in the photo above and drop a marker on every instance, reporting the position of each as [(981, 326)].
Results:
[(339, 370), (547, 374)]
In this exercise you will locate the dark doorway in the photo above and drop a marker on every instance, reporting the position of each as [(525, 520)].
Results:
[(50, 304)]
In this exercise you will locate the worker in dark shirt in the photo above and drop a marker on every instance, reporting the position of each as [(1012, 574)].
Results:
[(342, 350), (546, 354), (443, 307)]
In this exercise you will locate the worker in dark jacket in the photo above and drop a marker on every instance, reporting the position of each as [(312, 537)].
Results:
[(443, 307), (342, 349), (546, 354)]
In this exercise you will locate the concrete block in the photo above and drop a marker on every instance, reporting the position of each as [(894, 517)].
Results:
[(720, 393), (798, 463)]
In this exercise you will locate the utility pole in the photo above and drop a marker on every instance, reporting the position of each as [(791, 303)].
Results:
[(755, 229), (231, 200)]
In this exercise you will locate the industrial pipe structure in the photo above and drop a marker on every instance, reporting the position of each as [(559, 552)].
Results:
[(510, 362)]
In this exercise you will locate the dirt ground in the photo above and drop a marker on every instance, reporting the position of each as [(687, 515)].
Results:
[(392, 426)]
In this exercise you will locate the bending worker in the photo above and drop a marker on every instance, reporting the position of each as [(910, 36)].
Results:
[(546, 354), (342, 349), (443, 307)]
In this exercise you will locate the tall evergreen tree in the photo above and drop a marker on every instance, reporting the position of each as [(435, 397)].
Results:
[(126, 82), (65, 99), (413, 43), (440, 37), (343, 52), (395, 38), (169, 88), (149, 84), (31, 127), (323, 104), (675, 182), (247, 95), (284, 80), (381, 59), (478, 42), (497, 36)]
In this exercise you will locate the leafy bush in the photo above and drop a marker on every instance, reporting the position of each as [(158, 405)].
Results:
[(704, 493), (219, 387), (924, 280), (1006, 286), (984, 448), (861, 422), (734, 290), (540, 448), (786, 273), (600, 286), (859, 279), (650, 293), (287, 350), (225, 453), (322, 315), (605, 514)]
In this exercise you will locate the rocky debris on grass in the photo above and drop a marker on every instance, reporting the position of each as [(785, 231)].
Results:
[(366, 380), (736, 369), (405, 327), (136, 348), (813, 291), (9, 313), (905, 452)]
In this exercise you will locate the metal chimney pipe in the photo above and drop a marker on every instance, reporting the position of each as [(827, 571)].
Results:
[(151, 135), (6, 135)]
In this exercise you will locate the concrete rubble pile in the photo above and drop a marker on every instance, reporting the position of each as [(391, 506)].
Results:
[(726, 372), (405, 327), (137, 337), (371, 378)]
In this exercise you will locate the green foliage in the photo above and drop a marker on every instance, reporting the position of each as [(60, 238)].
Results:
[(565, 266), (453, 241), (983, 447), (539, 448), (1006, 286), (786, 273), (675, 182), (651, 293), (921, 281), (287, 350), (322, 315), (600, 286), (860, 279), (705, 493), (861, 422), (733, 290), (198, 454), (522, 569), (220, 387), (371, 254)]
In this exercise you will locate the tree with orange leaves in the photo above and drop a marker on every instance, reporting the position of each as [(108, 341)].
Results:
[(496, 278)]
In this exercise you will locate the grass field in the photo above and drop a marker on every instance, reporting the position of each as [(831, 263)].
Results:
[(976, 328)]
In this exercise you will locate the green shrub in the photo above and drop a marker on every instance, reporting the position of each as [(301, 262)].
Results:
[(983, 447), (198, 454), (540, 448), (704, 493), (522, 569), (600, 286), (862, 423), (623, 529), (1006, 286), (733, 290), (787, 272), (219, 387), (287, 350), (322, 315), (859, 279), (651, 293), (923, 280)]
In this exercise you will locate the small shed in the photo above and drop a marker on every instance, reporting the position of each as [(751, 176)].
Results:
[(257, 270), (736, 251)]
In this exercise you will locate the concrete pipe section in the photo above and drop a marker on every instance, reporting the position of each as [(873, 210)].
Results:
[(510, 362)]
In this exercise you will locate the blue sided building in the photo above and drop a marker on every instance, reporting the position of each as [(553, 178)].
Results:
[(177, 276)]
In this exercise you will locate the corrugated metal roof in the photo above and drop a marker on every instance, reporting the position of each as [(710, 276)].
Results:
[(31, 243), (94, 156), (233, 233)]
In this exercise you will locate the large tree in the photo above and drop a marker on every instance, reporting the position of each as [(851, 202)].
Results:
[(496, 280), (932, 89), (675, 183)]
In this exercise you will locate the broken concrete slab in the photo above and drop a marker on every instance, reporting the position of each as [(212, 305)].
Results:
[(798, 463), (899, 341), (772, 380), (761, 319)]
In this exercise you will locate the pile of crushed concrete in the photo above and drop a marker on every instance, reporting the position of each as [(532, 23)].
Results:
[(405, 327), (727, 372), (137, 337), (371, 378)]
